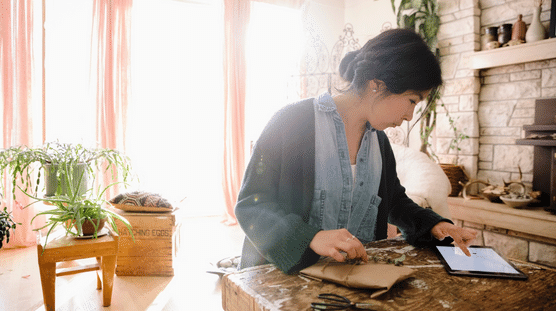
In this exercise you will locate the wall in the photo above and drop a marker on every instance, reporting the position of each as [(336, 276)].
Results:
[(369, 18), (491, 106), (326, 19)]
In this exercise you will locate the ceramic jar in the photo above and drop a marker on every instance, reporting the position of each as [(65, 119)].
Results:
[(519, 29), (536, 31), (504, 34), (490, 38), (491, 34)]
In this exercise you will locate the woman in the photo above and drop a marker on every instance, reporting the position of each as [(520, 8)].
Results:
[(322, 177)]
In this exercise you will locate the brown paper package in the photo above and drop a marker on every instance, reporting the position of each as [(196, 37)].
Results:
[(380, 277)]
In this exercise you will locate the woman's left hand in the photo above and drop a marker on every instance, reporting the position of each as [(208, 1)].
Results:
[(463, 237)]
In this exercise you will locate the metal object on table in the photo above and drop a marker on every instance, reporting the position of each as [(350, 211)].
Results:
[(339, 303)]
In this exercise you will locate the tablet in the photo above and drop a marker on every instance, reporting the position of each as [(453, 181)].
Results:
[(484, 262)]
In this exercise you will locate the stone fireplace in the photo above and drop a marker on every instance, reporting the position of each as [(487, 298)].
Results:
[(491, 96)]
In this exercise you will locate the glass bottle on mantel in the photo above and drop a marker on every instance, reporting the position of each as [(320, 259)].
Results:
[(536, 31)]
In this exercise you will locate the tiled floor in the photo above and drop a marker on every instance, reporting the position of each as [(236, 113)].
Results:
[(204, 240)]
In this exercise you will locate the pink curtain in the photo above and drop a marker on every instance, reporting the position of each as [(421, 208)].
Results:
[(236, 18), (16, 58), (111, 48)]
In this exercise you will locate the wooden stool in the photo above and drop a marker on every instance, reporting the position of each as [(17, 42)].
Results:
[(67, 248)]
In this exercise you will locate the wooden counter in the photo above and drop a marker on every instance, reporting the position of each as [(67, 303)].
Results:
[(265, 288)]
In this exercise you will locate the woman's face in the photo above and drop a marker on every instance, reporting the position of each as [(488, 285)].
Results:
[(391, 110)]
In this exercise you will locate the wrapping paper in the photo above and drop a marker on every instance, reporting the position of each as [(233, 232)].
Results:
[(380, 277)]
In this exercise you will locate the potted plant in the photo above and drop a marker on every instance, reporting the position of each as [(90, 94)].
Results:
[(69, 171), (7, 223), (422, 16), (79, 215), (58, 161)]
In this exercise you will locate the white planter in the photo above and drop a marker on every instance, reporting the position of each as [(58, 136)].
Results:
[(80, 178)]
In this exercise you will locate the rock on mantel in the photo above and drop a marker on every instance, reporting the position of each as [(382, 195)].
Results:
[(528, 52)]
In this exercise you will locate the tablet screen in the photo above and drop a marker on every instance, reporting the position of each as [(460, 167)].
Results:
[(481, 260)]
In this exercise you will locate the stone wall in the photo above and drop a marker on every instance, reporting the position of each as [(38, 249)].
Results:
[(491, 106)]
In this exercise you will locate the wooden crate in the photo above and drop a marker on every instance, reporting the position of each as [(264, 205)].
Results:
[(156, 243)]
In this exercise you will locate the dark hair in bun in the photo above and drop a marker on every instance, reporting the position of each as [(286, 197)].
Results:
[(398, 57)]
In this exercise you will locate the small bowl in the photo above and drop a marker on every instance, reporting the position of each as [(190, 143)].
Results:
[(514, 202)]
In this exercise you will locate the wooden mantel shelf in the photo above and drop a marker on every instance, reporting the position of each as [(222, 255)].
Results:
[(510, 55), (533, 221)]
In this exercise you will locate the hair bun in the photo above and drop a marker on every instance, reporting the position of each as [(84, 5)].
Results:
[(346, 65)]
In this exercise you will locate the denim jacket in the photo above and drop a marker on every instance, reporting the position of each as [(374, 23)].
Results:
[(344, 197)]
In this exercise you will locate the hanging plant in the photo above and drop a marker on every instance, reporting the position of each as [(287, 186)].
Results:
[(422, 17), (59, 160)]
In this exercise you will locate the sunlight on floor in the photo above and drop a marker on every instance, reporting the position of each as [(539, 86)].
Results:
[(204, 240)]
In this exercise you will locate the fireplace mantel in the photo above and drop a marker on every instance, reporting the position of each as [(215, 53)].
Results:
[(532, 221), (511, 55)]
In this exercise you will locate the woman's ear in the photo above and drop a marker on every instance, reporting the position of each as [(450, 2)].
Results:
[(376, 86)]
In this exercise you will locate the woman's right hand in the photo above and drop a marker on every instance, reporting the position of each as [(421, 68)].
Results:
[(331, 242)]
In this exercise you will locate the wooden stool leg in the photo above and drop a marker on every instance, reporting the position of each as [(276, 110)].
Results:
[(48, 281), (108, 269), (99, 282)]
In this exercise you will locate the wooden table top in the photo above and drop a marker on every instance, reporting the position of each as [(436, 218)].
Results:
[(430, 288)]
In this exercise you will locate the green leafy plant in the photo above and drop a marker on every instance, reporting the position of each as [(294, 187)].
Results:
[(7, 223), (21, 162), (74, 200), (72, 210)]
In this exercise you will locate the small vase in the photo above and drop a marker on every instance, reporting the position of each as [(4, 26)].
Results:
[(536, 31)]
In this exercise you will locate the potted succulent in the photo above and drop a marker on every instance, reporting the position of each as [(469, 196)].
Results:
[(7, 223), (58, 161)]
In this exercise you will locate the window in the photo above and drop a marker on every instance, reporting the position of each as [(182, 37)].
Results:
[(274, 50), (70, 109), (175, 120)]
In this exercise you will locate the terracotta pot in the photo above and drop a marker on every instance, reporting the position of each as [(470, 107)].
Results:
[(88, 227)]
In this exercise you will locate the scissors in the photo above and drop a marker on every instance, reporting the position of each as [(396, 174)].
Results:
[(339, 303)]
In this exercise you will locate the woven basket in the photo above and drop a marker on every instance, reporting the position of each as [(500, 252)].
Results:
[(455, 174)]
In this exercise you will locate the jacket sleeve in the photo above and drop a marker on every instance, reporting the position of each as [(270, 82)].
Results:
[(266, 207), (414, 222)]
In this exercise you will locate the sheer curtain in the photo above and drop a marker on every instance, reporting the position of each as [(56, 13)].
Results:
[(111, 50), (16, 59), (262, 52), (236, 19)]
